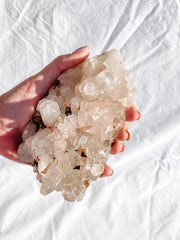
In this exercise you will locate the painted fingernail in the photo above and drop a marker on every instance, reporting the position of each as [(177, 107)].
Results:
[(128, 133), (81, 49), (139, 115), (123, 147), (111, 172)]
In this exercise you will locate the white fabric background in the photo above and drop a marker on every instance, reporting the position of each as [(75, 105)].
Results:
[(141, 201)]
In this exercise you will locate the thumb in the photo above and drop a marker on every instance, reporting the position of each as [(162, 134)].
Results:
[(45, 78), (35, 87), (19, 103), (52, 71)]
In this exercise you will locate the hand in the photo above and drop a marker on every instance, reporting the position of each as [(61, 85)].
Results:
[(124, 135), (18, 105)]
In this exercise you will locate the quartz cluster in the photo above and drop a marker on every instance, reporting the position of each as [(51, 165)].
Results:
[(70, 136)]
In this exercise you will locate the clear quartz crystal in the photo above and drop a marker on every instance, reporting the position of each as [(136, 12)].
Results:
[(49, 111), (70, 136)]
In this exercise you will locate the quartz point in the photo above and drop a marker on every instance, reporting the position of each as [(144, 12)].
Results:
[(69, 138)]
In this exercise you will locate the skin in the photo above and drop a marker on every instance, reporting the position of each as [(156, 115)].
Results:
[(18, 105)]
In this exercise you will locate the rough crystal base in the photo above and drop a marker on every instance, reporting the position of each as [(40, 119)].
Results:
[(70, 136)]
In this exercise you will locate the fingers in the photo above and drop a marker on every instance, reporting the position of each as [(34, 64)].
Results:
[(124, 134), (107, 171), (132, 114), (117, 147)]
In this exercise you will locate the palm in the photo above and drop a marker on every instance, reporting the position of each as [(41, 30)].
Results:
[(18, 106)]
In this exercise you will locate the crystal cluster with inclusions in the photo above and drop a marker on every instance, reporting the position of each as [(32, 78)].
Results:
[(69, 138)]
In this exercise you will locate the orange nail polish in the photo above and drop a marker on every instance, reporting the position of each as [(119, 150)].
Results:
[(111, 173), (129, 135), (139, 115), (123, 147)]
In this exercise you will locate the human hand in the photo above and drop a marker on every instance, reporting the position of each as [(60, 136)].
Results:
[(18, 105), (124, 135)]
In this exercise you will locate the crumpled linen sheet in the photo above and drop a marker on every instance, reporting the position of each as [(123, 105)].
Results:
[(141, 201)]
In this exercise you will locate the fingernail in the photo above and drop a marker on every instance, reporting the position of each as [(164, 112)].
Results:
[(139, 115), (128, 133), (111, 172), (81, 49), (123, 147)]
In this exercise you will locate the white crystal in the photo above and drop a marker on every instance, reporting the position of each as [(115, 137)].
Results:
[(49, 111), (97, 169), (89, 89), (82, 115)]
